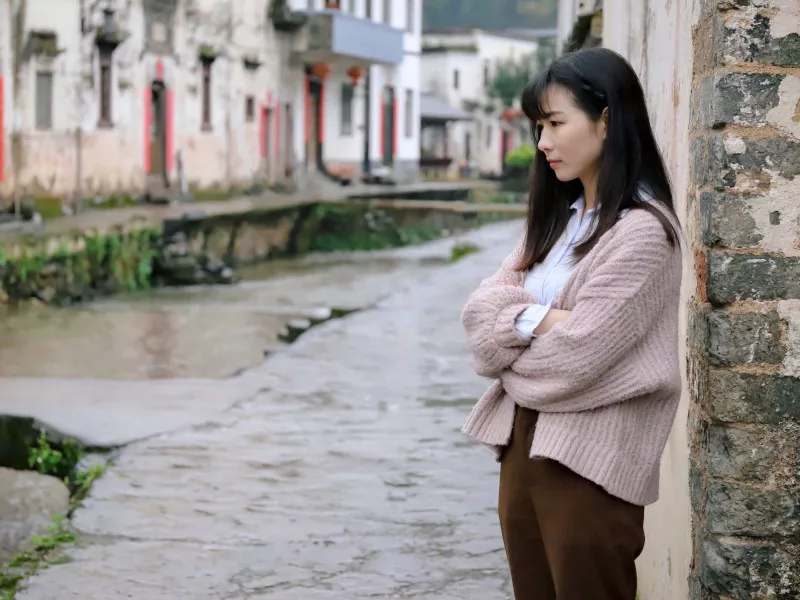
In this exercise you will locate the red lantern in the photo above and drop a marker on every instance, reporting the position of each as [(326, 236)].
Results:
[(354, 73), (321, 70)]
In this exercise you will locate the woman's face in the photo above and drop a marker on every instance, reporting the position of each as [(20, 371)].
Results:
[(571, 141)]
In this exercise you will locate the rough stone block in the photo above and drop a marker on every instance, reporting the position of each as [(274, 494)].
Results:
[(726, 220), (751, 510), (697, 490), (737, 338), (747, 165), (28, 503), (738, 398), (733, 277), (749, 37), (743, 571), (752, 454), (737, 98), (707, 158), (752, 164)]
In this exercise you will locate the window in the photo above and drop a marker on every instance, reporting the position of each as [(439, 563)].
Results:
[(105, 87), (351, 6), (206, 96), (368, 9), (310, 4), (387, 12), (409, 113), (488, 136), (250, 108), (455, 79), (486, 72), (44, 100), (346, 122), (410, 15)]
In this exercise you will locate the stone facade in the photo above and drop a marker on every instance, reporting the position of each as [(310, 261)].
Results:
[(745, 357)]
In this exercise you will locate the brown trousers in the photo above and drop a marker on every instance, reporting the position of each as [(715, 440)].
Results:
[(566, 538)]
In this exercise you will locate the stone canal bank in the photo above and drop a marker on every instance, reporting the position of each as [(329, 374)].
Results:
[(335, 469), (79, 258)]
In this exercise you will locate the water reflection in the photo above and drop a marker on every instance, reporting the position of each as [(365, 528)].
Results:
[(194, 332)]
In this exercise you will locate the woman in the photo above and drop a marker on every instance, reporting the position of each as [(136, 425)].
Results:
[(579, 330)]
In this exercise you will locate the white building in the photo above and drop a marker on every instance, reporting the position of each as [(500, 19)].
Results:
[(457, 68), (122, 96), (344, 130)]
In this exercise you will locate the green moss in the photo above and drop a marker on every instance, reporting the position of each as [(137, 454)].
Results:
[(115, 201), (214, 194), (105, 264), (461, 250), (48, 206)]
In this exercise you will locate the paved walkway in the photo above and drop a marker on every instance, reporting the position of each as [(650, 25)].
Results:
[(344, 477)]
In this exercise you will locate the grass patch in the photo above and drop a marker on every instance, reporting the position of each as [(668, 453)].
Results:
[(58, 460), (461, 250), (26, 564)]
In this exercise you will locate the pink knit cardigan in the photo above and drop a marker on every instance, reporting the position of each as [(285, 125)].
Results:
[(607, 382)]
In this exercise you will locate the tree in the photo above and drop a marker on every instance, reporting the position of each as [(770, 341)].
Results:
[(510, 79)]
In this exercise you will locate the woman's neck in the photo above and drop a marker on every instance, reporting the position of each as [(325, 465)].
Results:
[(589, 192)]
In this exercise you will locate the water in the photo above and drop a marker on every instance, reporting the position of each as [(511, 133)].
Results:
[(200, 331)]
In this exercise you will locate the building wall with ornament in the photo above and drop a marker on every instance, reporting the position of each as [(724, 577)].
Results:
[(125, 97)]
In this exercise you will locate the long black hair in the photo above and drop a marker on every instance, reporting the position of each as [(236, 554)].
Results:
[(598, 79)]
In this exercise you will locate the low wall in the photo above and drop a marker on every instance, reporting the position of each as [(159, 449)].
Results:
[(77, 266)]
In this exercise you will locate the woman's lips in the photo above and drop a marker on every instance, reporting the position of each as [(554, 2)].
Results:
[(553, 163)]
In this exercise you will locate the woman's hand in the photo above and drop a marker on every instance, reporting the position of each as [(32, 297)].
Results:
[(552, 317)]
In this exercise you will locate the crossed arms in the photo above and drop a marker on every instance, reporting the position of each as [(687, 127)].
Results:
[(579, 360)]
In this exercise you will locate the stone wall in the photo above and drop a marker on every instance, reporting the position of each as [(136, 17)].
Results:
[(745, 331), (76, 266)]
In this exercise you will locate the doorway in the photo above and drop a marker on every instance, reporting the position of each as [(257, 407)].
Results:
[(288, 142), (158, 132), (314, 142), (388, 125)]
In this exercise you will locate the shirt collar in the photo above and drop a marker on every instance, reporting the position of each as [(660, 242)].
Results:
[(579, 204)]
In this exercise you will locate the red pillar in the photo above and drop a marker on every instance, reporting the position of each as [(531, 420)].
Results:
[(2, 129), (170, 130), (394, 125)]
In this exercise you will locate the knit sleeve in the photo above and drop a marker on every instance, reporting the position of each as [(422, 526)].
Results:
[(489, 316), (583, 364)]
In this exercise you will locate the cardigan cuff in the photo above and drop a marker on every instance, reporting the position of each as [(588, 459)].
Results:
[(505, 334)]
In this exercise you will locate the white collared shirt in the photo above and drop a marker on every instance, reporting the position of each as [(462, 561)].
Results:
[(545, 280)]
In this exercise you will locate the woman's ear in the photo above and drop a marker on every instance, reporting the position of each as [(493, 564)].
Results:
[(604, 123)]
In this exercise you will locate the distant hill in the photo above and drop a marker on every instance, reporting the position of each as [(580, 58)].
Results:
[(490, 14)]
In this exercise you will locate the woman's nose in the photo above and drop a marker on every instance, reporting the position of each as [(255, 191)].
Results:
[(544, 145)]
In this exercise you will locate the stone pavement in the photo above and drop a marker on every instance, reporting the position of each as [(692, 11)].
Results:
[(346, 476)]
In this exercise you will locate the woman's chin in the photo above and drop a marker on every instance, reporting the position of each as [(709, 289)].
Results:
[(564, 177)]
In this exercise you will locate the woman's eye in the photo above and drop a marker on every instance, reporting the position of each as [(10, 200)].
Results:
[(554, 123)]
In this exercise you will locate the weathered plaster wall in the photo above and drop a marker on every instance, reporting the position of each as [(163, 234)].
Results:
[(656, 38)]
